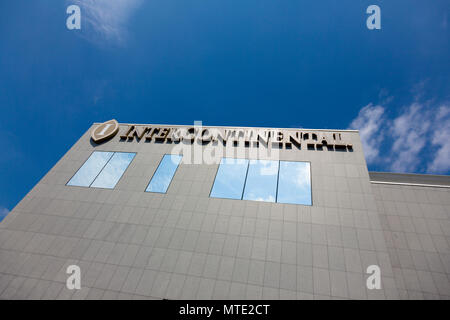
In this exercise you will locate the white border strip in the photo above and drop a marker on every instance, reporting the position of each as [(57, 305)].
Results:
[(411, 184)]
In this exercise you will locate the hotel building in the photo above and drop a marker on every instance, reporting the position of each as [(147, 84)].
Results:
[(196, 212)]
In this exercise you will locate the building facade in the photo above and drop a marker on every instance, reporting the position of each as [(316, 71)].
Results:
[(175, 212)]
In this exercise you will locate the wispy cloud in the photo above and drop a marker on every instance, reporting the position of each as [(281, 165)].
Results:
[(105, 20), (369, 121), (266, 199), (416, 139), (410, 133), (268, 168), (3, 213)]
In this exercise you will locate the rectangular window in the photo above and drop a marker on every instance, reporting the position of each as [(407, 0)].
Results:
[(263, 180), (261, 184), (102, 169), (113, 171), (230, 179), (164, 173), (294, 183), (90, 169)]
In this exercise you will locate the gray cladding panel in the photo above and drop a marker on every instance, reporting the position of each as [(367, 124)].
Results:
[(416, 225)]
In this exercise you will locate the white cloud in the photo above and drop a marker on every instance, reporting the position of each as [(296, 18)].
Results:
[(369, 121), (267, 199), (410, 135), (268, 168), (297, 174), (3, 213), (302, 178), (105, 19), (415, 140)]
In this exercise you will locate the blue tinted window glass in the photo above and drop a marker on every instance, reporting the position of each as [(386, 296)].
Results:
[(230, 179), (113, 171), (261, 184), (90, 169), (294, 184), (164, 173)]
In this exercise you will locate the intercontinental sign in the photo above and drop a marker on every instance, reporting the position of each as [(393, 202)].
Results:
[(277, 138)]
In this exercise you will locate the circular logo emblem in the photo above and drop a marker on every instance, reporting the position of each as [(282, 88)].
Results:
[(105, 131)]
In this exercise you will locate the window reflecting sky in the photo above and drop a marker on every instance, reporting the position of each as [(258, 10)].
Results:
[(164, 173), (261, 182), (294, 185), (230, 179), (90, 169), (113, 171)]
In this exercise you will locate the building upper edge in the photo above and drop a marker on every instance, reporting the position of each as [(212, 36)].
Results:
[(234, 127), (412, 179)]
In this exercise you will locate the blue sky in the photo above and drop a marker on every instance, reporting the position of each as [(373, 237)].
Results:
[(289, 63)]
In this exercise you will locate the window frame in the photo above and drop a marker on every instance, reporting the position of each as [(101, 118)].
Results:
[(277, 186), (134, 155), (156, 170), (113, 152), (276, 179), (310, 183), (217, 171)]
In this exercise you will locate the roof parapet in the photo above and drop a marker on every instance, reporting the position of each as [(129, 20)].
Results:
[(410, 179)]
